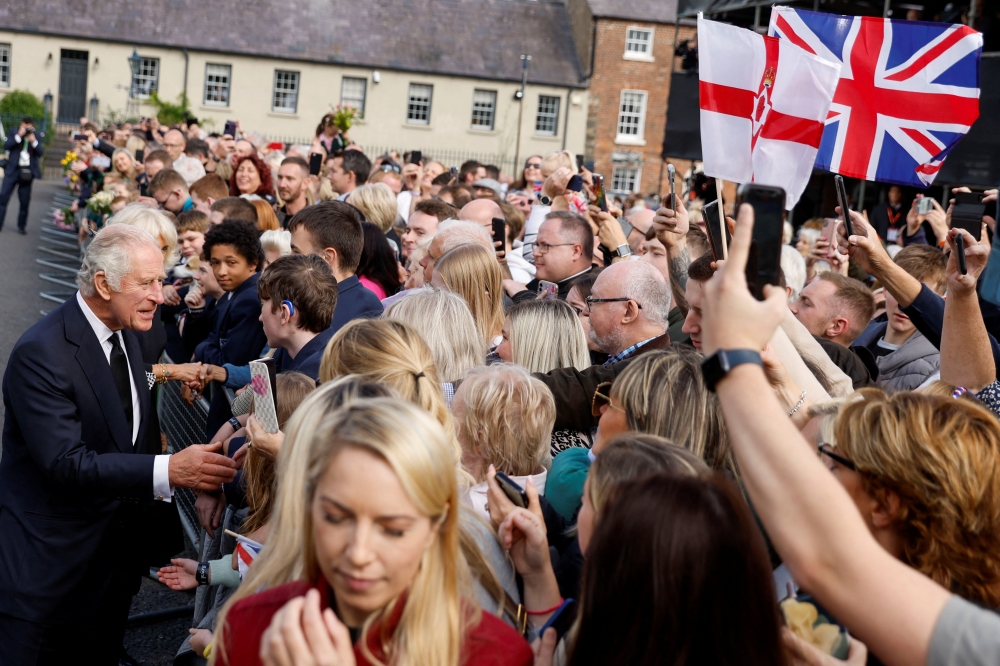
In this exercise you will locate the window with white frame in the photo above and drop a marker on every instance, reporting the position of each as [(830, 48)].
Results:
[(631, 116), (638, 43), (547, 119), (484, 105), (4, 65), (286, 91), (147, 80), (625, 179), (218, 79), (352, 93), (418, 106)]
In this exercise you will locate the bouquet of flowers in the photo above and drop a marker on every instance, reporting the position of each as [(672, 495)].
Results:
[(62, 218), (70, 177), (343, 117), (100, 203)]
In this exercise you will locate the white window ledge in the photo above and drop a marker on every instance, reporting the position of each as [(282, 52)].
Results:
[(642, 57), (630, 141)]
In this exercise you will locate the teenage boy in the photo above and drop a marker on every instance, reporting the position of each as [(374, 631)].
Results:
[(206, 191), (191, 229), (233, 208), (171, 192), (332, 230), (234, 252), (298, 295)]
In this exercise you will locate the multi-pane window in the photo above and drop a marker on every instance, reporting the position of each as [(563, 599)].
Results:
[(547, 119), (217, 81), (418, 108), (4, 65), (631, 115), (625, 179), (286, 91), (484, 104), (638, 43), (352, 93), (147, 79)]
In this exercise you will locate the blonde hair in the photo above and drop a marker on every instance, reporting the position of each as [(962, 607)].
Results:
[(389, 351), (266, 219), (472, 272), (941, 457), (132, 172), (546, 334), (278, 240), (507, 418), (560, 158), (378, 204), (445, 323), (259, 472), (439, 605), (663, 393), (134, 143), (155, 223)]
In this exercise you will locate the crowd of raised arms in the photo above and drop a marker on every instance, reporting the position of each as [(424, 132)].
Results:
[(497, 443)]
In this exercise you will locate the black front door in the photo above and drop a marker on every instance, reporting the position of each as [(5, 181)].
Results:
[(72, 86)]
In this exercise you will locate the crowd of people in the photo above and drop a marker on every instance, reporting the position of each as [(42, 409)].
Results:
[(515, 426)]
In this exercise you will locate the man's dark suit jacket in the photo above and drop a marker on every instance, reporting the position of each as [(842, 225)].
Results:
[(12, 146), (354, 301), (71, 482)]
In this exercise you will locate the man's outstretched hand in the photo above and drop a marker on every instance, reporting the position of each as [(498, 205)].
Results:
[(200, 466)]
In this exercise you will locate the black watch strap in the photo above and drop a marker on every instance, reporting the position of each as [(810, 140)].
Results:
[(201, 574), (718, 365), (235, 422)]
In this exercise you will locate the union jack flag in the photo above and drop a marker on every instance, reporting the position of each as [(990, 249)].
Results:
[(908, 91)]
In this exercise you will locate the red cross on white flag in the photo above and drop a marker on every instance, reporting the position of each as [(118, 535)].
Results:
[(763, 106)]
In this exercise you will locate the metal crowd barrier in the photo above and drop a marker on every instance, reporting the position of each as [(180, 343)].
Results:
[(60, 256)]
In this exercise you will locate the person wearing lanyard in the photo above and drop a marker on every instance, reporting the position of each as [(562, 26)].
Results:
[(888, 218), (21, 170)]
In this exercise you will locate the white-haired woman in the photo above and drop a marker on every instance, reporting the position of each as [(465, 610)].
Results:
[(364, 556)]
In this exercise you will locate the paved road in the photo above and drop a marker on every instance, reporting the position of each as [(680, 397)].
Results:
[(152, 643)]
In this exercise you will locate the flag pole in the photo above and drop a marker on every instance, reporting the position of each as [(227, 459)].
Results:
[(722, 217)]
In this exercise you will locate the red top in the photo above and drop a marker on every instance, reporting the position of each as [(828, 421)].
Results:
[(491, 643)]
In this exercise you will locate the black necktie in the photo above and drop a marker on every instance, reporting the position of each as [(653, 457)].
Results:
[(119, 370)]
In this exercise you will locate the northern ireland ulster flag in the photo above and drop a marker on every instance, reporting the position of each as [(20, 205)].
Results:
[(763, 106)]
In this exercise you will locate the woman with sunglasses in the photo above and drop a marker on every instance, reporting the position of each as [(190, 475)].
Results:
[(531, 176)]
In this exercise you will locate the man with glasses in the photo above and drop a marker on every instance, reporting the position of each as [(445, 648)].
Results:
[(628, 309), (171, 192), (564, 251), (174, 142)]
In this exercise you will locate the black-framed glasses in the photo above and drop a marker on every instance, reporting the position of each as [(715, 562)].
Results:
[(590, 300), (543, 248), (827, 450), (602, 396)]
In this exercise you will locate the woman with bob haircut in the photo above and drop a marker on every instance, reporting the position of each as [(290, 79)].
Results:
[(380, 545), (443, 320), (377, 203), (503, 418), (472, 272), (924, 471), (542, 335)]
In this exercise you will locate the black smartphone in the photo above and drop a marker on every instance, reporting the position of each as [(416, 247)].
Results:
[(960, 250), (968, 213), (315, 163), (79, 137), (672, 175), (512, 490), (454, 173), (575, 184), (500, 232), (716, 227), (230, 128), (765, 251), (416, 157), (842, 201), (579, 162), (140, 155), (602, 200), (562, 619)]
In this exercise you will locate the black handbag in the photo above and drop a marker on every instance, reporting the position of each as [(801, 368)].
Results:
[(24, 174)]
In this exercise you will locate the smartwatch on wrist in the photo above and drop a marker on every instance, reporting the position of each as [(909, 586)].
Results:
[(544, 200), (718, 365), (201, 574), (235, 422), (623, 250)]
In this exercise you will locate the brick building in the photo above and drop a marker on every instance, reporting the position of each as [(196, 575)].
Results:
[(627, 52)]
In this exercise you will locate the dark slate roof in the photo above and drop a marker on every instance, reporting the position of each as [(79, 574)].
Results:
[(474, 38), (647, 11)]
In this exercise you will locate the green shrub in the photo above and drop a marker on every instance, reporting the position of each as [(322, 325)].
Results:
[(17, 104)]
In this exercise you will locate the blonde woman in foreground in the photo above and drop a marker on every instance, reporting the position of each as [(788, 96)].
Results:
[(380, 544)]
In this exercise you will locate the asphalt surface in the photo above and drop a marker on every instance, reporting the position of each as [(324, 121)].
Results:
[(151, 643)]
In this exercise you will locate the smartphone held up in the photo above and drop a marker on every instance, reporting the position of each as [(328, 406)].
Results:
[(763, 264)]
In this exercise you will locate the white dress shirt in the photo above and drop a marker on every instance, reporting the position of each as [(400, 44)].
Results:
[(161, 476), (24, 159)]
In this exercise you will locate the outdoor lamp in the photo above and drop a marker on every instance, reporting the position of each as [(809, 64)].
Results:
[(47, 101), (94, 107)]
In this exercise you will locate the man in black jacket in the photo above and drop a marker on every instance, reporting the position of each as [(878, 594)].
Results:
[(22, 169), (76, 467)]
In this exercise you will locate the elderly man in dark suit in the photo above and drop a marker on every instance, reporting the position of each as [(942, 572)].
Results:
[(76, 471), (22, 169)]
